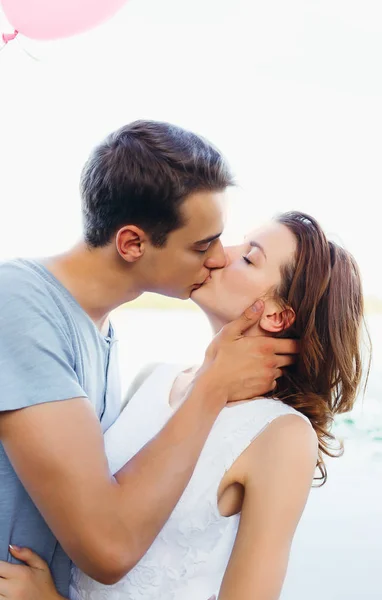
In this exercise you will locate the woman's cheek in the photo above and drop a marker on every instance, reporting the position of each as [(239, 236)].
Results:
[(240, 301)]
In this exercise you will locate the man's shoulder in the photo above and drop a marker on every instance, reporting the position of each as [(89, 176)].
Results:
[(23, 287), (21, 275), (18, 273)]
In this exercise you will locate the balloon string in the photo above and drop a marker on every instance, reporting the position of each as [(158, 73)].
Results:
[(26, 51), (9, 37)]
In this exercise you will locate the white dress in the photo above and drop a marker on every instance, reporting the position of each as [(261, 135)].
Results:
[(188, 559)]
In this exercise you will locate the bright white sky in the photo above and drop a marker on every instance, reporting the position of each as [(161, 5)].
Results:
[(290, 91)]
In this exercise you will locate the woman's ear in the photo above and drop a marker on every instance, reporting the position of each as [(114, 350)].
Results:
[(275, 318)]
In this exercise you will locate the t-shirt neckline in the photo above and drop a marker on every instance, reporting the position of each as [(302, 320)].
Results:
[(38, 266)]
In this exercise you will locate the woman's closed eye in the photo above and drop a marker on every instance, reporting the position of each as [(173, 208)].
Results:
[(246, 259)]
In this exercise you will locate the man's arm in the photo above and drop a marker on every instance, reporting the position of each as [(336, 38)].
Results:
[(106, 524), (277, 478)]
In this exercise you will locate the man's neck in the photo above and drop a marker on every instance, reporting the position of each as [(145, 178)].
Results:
[(97, 278)]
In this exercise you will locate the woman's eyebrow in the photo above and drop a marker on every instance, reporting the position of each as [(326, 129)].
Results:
[(254, 244)]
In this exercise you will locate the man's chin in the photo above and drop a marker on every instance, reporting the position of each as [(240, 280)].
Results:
[(176, 294)]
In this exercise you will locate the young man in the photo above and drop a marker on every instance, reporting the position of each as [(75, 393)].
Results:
[(151, 201)]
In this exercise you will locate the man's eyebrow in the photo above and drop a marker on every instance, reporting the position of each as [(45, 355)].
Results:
[(209, 239), (254, 244)]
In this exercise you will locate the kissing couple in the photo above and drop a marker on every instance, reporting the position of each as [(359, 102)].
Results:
[(195, 488)]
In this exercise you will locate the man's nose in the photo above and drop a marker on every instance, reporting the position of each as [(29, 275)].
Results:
[(217, 259)]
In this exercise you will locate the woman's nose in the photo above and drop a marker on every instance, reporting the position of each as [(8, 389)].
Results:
[(217, 259)]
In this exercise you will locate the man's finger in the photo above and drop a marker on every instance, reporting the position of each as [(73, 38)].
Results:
[(285, 360), (278, 373), (286, 346), (28, 557), (249, 318)]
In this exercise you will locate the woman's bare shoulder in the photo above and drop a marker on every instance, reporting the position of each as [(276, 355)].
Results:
[(288, 442)]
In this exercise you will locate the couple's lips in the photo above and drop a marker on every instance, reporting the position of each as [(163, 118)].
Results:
[(199, 285)]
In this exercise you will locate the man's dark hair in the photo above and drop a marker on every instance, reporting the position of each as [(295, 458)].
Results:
[(141, 174)]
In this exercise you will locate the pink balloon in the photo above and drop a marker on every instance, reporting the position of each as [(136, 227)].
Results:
[(52, 19)]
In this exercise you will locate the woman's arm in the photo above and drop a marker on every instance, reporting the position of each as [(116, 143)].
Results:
[(277, 471)]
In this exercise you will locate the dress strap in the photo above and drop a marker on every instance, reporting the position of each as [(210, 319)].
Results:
[(249, 421)]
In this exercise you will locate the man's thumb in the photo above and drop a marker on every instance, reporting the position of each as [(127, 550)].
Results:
[(250, 317), (28, 557)]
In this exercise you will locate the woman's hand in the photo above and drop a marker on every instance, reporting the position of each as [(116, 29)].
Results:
[(31, 581)]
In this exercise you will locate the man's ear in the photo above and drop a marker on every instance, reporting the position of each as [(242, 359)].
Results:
[(130, 242), (275, 318)]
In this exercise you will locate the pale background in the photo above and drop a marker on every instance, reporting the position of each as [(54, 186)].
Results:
[(292, 94)]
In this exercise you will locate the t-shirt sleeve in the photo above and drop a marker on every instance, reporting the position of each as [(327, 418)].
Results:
[(37, 359)]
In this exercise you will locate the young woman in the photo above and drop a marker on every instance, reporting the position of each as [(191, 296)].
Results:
[(231, 532)]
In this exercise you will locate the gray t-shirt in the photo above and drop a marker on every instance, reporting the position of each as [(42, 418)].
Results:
[(50, 350)]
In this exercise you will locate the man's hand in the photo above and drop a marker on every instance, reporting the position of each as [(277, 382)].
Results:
[(247, 366), (30, 582)]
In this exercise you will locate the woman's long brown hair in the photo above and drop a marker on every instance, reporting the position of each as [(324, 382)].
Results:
[(324, 288)]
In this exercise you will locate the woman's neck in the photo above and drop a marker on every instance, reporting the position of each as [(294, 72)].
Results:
[(217, 323), (185, 379)]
